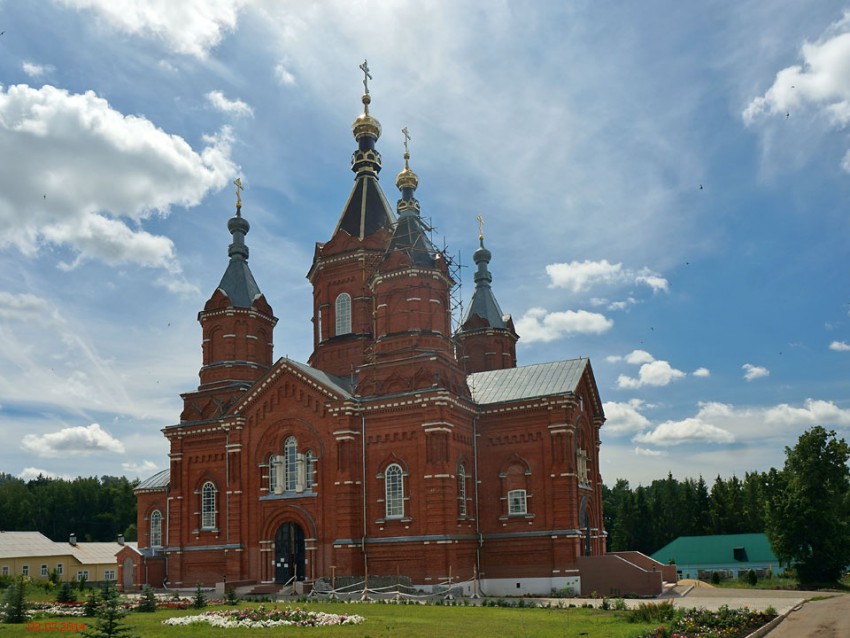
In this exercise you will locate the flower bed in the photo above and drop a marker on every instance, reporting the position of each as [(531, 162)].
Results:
[(261, 618), (723, 623)]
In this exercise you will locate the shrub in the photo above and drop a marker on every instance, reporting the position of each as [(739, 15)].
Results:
[(66, 594), (652, 612), (231, 597), (90, 608), (752, 578), (715, 578)]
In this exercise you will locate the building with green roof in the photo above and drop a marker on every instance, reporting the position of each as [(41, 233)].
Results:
[(732, 555)]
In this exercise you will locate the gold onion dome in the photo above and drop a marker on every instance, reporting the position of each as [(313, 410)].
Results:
[(406, 178), (365, 124)]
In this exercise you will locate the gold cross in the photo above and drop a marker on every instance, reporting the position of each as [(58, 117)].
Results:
[(406, 140), (480, 227), (366, 75), (238, 184)]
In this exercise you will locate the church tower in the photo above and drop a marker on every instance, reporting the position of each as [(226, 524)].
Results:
[(237, 324), (342, 267), (486, 339), (411, 286)]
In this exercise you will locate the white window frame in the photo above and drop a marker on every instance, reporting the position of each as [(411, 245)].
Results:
[(517, 503), (82, 573), (5, 570), (290, 464), (394, 491), (156, 529), (461, 490), (208, 503), (309, 464), (43, 573), (109, 574), (342, 314), (25, 570), (60, 569)]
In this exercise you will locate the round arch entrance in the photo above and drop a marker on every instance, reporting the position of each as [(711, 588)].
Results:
[(289, 553)]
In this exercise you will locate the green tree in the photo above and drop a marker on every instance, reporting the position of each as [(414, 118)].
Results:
[(16, 602), (808, 518), (110, 614)]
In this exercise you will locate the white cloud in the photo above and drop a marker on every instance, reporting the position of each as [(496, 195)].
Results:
[(821, 82), (840, 346), (32, 473), (540, 325), (813, 412), (190, 27), (237, 108), (642, 451), (77, 440), (28, 309), (142, 469), (637, 357), (87, 175), (36, 70), (283, 75), (754, 372), (580, 276), (623, 418), (701, 372), (689, 430), (655, 373)]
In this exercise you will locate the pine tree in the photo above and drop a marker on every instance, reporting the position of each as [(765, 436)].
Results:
[(66, 593), (200, 600), (147, 601), (110, 613), (16, 602)]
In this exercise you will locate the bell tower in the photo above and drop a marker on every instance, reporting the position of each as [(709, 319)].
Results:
[(486, 339), (237, 325), (342, 267)]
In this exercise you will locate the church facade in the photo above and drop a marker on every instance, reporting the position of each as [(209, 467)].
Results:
[(400, 448)]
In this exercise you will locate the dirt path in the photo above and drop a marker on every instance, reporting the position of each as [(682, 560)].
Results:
[(818, 619)]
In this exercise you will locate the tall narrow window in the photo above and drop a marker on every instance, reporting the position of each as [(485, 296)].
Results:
[(319, 324), (516, 502), (461, 491), (308, 470), (290, 464), (343, 314), (208, 505), (156, 528), (394, 491)]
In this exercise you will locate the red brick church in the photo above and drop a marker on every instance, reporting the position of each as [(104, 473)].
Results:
[(400, 448)]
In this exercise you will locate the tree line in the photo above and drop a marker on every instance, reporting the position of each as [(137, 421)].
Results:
[(649, 517), (804, 508), (93, 509)]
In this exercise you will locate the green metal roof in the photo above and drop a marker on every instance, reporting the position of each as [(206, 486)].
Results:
[(713, 550)]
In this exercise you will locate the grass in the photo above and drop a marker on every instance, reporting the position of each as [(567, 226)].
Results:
[(392, 621)]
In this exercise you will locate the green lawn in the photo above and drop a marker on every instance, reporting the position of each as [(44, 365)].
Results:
[(400, 621)]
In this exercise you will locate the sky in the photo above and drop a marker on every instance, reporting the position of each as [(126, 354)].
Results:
[(664, 187)]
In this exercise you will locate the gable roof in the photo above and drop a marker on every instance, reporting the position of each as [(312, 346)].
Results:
[(340, 385), (526, 382), (718, 549), (96, 553), (24, 544)]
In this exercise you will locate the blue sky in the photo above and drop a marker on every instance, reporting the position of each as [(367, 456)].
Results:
[(665, 189)]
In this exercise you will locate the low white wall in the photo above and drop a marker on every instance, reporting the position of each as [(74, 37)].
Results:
[(528, 586)]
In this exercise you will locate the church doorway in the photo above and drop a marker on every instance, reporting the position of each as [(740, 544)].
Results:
[(289, 553), (129, 575)]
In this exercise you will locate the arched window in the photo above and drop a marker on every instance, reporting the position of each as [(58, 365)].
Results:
[(156, 529), (208, 505), (290, 464), (461, 491), (309, 461), (394, 491), (343, 314)]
